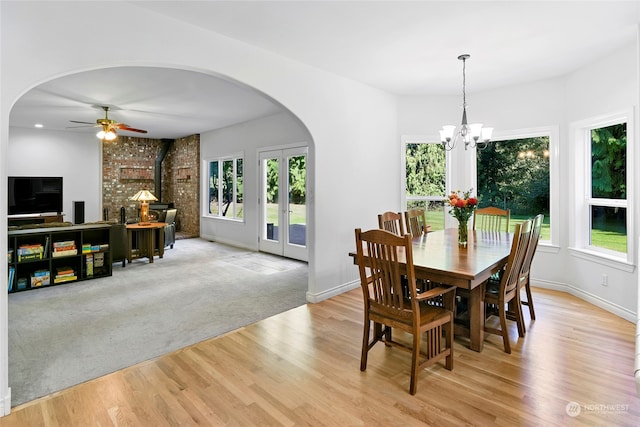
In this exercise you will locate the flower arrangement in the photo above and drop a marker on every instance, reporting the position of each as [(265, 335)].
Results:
[(462, 207)]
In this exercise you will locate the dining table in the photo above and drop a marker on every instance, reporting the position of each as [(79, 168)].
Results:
[(439, 258)]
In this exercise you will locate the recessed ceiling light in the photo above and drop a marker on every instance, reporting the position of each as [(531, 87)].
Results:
[(39, 125)]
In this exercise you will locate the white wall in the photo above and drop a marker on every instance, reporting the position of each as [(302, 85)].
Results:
[(353, 127), (247, 138), (74, 157)]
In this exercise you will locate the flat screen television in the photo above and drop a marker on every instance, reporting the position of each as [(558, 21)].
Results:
[(34, 195)]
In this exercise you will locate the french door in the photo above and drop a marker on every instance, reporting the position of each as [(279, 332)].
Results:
[(283, 202)]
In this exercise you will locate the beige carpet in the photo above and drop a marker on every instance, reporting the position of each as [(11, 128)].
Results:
[(67, 334)]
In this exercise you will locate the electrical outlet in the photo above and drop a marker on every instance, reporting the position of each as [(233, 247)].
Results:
[(605, 280)]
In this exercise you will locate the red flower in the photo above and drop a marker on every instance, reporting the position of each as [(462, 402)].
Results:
[(460, 203), (472, 201)]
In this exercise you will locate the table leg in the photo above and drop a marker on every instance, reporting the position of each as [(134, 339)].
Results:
[(130, 245), (476, 318), (160, 242), (151, 246)]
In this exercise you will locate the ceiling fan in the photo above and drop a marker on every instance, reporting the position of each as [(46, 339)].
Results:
[(109, 126)]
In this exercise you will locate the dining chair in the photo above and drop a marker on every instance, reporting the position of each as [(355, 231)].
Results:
[(526, 265), (416, 222), (499, 293), (491, 219), (392, 222), (377, 255)]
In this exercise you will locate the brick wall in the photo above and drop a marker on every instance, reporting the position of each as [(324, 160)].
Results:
[(129, 166)]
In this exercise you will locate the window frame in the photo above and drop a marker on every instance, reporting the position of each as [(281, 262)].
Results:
[(583, 200), (206, 202), (404, 197), (553, 133)]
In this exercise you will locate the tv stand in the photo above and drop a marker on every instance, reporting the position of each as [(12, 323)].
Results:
[(42, 218)]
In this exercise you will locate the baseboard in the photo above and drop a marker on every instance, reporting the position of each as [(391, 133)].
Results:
[(329, 293), (5, 403), (229, 242), (590, 298)]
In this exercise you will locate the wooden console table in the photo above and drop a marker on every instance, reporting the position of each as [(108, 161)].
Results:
[(146, 239)]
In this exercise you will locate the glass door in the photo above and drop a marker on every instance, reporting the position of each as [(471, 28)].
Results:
[(283, 202)]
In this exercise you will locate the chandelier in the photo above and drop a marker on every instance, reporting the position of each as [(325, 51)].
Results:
[(473, 135)]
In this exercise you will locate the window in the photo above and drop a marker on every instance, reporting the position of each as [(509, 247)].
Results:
[(602, 218), (226, 188), (607, 198), (515, 174), (425, 180)]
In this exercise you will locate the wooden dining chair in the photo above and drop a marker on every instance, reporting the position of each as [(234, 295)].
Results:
[(525, 271), (392, 222), (500, 293), (491, 219), (416, 222), (377, 255)]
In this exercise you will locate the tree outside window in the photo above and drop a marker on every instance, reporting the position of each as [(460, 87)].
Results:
[(608, 201), (425, 184), (226, 188), (514, 174)]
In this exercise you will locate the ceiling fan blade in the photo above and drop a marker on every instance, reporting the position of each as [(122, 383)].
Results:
[(127, 128), (86, 123)]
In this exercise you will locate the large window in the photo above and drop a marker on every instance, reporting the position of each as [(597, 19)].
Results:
[(602, 220), (607, 198), (425, 180), (226, 188), (514, 174)]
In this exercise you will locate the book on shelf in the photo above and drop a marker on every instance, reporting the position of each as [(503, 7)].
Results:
[(89, 262), (65, 279), (40, 278), (46, 247), (98, 259), (12, 274), (67, 252), (30, 249), (30, 257), (64, 270), (64, 244)]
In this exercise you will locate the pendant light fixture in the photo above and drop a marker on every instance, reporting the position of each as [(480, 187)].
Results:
[(473, 135)]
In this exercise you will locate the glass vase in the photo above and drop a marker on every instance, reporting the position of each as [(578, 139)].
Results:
[(463, 233)]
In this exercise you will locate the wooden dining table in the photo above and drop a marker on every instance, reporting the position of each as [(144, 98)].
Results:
[(438, 257)]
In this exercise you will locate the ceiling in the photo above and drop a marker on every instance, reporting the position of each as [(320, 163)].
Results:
[(405, 48)]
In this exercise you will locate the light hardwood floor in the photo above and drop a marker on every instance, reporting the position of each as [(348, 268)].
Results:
[(301, 367)]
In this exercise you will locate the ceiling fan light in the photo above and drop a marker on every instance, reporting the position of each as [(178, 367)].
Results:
[(101, 134), (110, 135)]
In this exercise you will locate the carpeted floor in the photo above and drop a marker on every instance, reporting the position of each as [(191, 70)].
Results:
[(68, 334)]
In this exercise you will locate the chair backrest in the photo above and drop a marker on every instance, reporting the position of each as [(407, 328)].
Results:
[(170, 218), (392, 222), (510, 281), (491, 219), (416, 222), (377, 255), (536, 228)]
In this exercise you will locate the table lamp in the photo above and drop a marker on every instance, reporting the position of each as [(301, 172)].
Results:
[(144, 196)]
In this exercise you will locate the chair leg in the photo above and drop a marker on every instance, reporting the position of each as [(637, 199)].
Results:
[(448, 333), (365, 344), (505, 331), (415, 356), (532, 312)]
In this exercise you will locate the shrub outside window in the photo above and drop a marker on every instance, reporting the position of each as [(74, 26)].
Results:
[(226, 188)]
